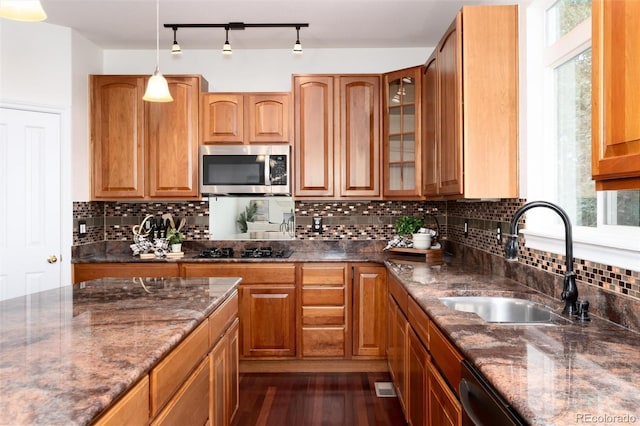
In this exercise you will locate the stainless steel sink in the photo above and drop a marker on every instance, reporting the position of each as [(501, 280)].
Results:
[(505, 310)]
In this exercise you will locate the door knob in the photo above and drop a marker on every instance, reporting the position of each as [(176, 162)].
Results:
[(52, 259)]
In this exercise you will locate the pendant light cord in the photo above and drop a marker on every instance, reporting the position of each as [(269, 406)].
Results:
[(157, 35)]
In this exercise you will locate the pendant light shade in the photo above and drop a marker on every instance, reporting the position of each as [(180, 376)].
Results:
[(22, 10), (157, 87)]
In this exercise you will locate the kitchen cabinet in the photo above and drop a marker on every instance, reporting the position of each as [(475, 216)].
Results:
[(337, 136), (424, 365), (402, 147), (470, 117), (325, 296), (132, 409), (369, 309), (267, 297), (182, 387), (144, 150), (92, 271), (615, 91), (224, 378), (245, 118)]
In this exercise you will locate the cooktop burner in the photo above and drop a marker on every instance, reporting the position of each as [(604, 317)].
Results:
[(249, 252)]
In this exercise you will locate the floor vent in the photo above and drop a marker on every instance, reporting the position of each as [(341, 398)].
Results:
[(385, 390)]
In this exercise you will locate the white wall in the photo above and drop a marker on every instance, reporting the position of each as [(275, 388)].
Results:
[(266, 70)]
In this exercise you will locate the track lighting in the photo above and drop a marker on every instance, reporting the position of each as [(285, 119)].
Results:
[(157, 87), (297, 48), (22, 10), (175, 47), (226, 48)]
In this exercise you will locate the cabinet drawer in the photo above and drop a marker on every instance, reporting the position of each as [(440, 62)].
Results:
[(92, 271), (323, 315), (445, 357), (190, 406), (323, 274), (132, 409), (399, 293), (167, 377), (222, 318), (332, 296), (323, 342), (418, 320), (250, 273)]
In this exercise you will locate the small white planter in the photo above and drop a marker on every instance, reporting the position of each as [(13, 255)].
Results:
[(421, 241), (176, 248)]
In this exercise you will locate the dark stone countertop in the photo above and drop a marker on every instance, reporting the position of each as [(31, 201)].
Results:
[(66, 354), (552, 375)]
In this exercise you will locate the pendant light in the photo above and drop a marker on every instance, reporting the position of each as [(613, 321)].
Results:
[(157, 87), (226, 48), (175, 47), (22, 10)]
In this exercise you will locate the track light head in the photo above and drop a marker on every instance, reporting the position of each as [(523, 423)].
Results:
[(226, 48), (297, 48), (175, 47)]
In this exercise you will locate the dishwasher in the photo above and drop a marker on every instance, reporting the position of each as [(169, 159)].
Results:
[(481, 404)]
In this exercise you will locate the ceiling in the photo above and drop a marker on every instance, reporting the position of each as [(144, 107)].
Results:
[(131, 24)]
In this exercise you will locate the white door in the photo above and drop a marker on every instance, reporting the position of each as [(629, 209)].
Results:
[(30, 237)]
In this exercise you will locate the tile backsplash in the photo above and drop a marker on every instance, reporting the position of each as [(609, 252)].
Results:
[(373, 221)]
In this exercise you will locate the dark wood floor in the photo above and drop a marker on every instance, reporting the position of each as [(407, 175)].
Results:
[(315, 399)]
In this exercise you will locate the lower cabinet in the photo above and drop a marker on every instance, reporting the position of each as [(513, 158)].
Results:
[(369, 306), (424, 366), (196, 383)]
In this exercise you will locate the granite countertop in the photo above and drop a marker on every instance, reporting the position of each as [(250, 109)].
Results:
[(66, 354), (552, 375)]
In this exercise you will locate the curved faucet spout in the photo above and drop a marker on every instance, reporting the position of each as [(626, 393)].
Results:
[(570, 289)]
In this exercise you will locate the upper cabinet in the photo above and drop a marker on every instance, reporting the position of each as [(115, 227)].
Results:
[(244, 118), (615, 94), (144, 150), (402, 149), (470, 118), (337, 136)]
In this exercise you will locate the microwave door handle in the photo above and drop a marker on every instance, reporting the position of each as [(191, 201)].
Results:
[(267, 170)]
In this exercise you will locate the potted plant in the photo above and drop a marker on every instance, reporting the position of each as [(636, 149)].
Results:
[(175, 239), (408, 225)]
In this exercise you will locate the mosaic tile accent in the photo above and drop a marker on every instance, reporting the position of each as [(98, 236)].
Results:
[(485, 217), (121, 217), (360, 220)]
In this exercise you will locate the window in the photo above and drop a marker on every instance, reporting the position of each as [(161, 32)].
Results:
[(606, 225)]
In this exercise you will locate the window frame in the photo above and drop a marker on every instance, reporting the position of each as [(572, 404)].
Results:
[(606, 244)]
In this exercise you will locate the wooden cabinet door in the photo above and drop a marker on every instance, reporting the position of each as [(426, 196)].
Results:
[(222, 118), (314, 136), (417, 382), (402, 158), (268, 321), (444, 408), (450, 117), (223, 385), (359, 142), (397, 350), (117, 136), (369, 310), (430, 114), (172, 141), (616, 89), (267, 117)]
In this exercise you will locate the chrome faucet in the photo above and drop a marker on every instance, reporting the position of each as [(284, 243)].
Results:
[(570, 290)]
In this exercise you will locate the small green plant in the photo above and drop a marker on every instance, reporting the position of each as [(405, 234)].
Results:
[(174, 236), (406, 225), (247, 216)]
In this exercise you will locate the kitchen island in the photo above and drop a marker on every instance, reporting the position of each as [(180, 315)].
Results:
[(66, 355)]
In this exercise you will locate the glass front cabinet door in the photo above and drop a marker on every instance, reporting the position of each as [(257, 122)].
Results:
[(402, 153)]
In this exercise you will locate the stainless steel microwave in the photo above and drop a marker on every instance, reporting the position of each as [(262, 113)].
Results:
[(245, 169)]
